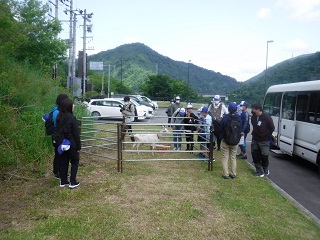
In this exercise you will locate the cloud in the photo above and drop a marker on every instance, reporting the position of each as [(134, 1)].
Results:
[(263, 13), (306, 9)]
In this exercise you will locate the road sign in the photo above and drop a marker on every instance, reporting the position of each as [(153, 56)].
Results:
[(96, 66)]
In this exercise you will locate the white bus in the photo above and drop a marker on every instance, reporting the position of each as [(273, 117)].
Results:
[(295, 110)]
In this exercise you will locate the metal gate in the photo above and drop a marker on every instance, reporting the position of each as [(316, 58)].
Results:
[(111, 140)]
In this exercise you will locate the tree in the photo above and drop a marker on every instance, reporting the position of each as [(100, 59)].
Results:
[(27, 35)]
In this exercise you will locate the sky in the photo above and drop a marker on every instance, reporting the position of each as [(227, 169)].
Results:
[(228, 36)]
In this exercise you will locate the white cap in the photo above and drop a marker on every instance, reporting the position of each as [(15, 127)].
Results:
[(189, 106), (182, 110), (177, 98), (216, 98)]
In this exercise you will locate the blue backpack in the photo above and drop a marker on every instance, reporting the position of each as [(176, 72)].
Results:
[(48, 123)]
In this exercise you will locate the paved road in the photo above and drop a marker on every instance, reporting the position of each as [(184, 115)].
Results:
[(294, 177)]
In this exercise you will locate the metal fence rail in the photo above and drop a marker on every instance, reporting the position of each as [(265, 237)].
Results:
[(108, 140)]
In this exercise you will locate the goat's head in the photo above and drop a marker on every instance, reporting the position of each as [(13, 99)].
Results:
[(162, 131)]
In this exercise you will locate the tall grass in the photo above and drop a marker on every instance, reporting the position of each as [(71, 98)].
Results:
[(25, 95)]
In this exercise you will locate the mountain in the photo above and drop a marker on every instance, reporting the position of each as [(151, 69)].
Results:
[(138, 61), (298, 69)]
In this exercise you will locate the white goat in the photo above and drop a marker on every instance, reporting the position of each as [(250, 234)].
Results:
[(152, 138)]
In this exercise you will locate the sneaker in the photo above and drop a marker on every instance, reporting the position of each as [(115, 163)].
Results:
[(232, 176), (74, 185), (257, 174), (56, 175), (175, 149), (225, 177), (239, 155), (179, 149), (266, 172), (66, 184)]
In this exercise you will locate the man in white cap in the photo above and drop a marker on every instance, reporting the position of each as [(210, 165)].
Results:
[(217, 110)]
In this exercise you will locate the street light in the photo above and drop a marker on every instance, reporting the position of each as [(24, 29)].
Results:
[(189, 73), (265, 73), (121, 72)]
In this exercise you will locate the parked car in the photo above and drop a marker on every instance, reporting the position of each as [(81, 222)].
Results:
[(138, 99), (149, 110), (110, 108), (155, 104)]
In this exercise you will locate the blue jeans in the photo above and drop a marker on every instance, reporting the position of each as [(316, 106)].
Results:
[(177, 137)]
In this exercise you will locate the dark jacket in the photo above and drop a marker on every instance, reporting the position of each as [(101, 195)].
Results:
[(190, 120), (224, 123), (263, 127), (71, 131), (245, 121)]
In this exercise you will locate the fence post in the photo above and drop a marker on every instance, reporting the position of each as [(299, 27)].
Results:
[(210, 150), (119, 133)]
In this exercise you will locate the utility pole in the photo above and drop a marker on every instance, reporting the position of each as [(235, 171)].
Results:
[(121, 72), (70, 44), (55, 67), (73, 54), (109, 82), (84, 53), (86, 28)]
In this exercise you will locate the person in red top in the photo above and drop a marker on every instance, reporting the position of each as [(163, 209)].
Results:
[(263, 128)]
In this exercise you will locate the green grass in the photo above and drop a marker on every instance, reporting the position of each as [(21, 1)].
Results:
[(150, 200)]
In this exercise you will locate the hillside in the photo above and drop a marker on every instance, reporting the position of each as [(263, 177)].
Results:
[(299, 69), (138, 61)]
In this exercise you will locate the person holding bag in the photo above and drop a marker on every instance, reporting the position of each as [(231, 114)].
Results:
[(67, 139)]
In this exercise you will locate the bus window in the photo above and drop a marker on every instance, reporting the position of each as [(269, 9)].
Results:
[(302, 107), (272, 103), (288, 105), (312, 107), (317, 116)]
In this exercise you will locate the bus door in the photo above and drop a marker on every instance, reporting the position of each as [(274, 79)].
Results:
[(287, 123)]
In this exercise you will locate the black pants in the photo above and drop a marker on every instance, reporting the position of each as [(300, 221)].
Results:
[(128, 129), (189, 138), (65, 158), (56, 162)]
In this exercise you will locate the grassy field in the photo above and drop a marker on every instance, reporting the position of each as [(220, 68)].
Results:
[(149, 200)]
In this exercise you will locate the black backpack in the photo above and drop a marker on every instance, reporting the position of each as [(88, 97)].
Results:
[(49, 124), (232, 132), (60, 133)]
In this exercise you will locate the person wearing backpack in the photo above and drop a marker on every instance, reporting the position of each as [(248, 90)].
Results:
[(50, 124), (245, 129), (262, 129), (230, 134), (66, 134), (217, 110)]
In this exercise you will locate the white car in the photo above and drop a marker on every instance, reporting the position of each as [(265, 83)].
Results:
[(155, 104), (140, 108), (110, 108), (149, 110)]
